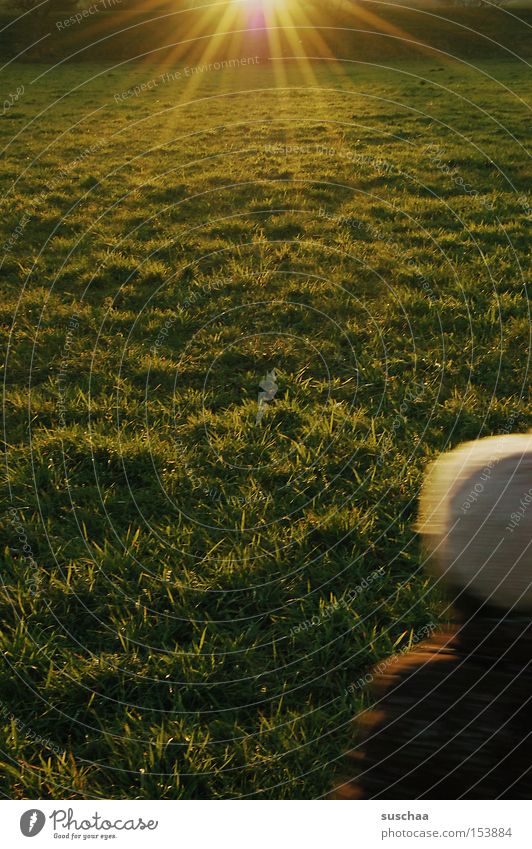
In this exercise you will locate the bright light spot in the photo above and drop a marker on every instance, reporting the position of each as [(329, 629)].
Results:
[(265, 5)]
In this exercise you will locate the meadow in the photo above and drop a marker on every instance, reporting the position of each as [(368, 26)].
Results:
[(193, 592)]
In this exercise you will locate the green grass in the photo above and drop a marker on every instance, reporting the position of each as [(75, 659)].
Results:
[(181, 630)]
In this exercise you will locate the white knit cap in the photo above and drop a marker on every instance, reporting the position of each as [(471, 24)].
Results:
[(476, 517)]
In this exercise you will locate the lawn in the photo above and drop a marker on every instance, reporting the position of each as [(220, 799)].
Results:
[(194, 584)]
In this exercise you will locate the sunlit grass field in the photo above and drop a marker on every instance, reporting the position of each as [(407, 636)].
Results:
[(184, 612)]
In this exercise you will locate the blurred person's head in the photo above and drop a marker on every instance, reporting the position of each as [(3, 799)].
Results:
[(476, 522)]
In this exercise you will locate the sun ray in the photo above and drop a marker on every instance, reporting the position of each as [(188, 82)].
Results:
[(207, 38), (227, 23)]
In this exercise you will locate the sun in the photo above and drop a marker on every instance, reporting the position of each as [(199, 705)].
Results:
[(266, 7), (265, 4)]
